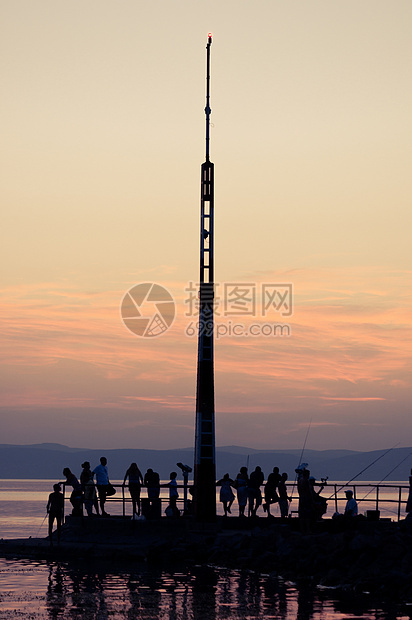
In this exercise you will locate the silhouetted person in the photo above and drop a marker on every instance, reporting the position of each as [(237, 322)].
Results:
[(152, 482), (409, 501), (102, 481), (55, 511), (135, 482), (255, 496), (226, 495), (172, 510), (319, 504), (305, 501), (271, 495), (88, 489), (76, 495), (186, 469), (241, 484), (351, 508), (283, 496)]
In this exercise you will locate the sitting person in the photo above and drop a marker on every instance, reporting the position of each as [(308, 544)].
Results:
[(351, 508)]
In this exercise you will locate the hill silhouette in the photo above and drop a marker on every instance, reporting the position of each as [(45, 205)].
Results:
[(46, 461)]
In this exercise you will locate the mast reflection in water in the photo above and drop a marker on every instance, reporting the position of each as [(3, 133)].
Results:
[(81, 589)]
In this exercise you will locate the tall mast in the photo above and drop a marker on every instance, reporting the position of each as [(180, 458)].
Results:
[(205, 464)]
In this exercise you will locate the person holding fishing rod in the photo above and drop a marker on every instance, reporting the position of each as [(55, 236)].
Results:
[(55, 511), (306, 503)]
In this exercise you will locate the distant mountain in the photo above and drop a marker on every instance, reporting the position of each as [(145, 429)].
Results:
[(46, 461), (45, 446)]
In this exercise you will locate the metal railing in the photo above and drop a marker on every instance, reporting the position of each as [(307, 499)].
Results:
[(125, 498), (388, 499)]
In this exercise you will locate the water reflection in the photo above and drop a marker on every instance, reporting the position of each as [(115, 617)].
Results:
[(90, 590)]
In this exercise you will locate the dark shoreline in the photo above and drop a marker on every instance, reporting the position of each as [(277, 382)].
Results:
[(361, 557)]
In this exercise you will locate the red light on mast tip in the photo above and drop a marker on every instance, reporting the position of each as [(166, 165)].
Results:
[(209, 35)]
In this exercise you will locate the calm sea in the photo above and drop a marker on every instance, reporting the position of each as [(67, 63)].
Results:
[(87, 590), (23, 504), (45, 589)]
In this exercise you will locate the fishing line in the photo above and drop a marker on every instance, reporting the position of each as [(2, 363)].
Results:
[(363, 470), (387, 475)]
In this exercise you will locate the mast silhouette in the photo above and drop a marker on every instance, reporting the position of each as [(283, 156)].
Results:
[(205, 465)]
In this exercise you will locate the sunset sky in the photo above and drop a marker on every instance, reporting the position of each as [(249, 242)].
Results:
[(103, 134)]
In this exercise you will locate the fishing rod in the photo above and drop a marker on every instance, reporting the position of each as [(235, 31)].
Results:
[(363, 470), (301, 456), (38, 531), (387, 475), (304, 444)]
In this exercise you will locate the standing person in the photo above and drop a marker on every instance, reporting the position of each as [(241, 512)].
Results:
[(55, 511), (172, 509), (102, 481), (152, 482), (135, 482), (271, 495), (226, 495), (76, 495), (241, 484), (283, 496), (409, 502), (305, 501), (255, 496), (89, 489)]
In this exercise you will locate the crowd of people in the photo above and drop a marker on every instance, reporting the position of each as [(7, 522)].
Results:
[(248, 494), (93, 487)]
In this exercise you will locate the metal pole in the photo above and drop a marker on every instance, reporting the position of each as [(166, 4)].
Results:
[(185, 485), (205, 469)]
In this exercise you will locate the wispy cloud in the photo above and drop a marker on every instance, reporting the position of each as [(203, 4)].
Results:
[(351, 346)]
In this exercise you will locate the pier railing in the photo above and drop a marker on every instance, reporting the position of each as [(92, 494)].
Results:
[(148, 506), (386, 500)]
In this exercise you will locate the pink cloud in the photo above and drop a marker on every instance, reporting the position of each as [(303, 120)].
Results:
[(351, 337)]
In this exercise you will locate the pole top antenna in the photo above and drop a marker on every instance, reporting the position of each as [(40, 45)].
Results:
[(207, 108)]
